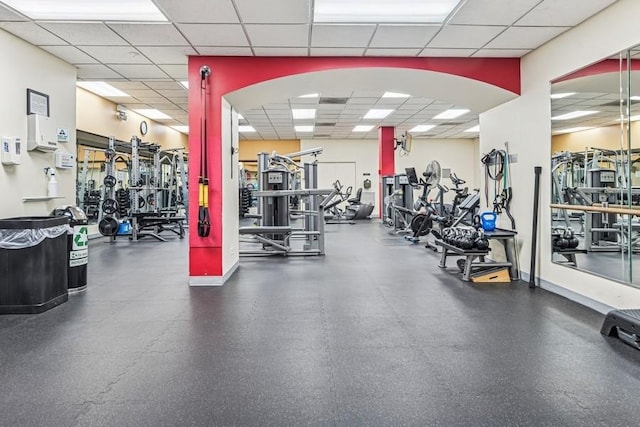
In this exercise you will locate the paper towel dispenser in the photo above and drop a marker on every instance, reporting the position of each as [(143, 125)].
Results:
[(41, 134)]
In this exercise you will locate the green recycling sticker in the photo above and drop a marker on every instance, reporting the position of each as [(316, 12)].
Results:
[(80, 238)]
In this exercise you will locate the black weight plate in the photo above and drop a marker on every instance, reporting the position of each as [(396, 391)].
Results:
[(109, 181), (108, 226), (109, 206), (417, 224)]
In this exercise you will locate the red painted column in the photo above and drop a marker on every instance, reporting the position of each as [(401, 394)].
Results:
[(386, 158)]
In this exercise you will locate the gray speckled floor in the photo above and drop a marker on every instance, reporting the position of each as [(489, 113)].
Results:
[(372, 334)]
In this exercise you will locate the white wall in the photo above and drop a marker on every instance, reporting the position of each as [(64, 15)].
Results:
[(459, 155), (230, 216), (26, 66), (525, 123)]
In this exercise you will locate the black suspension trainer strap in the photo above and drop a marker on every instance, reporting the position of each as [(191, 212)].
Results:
[(204, 219)]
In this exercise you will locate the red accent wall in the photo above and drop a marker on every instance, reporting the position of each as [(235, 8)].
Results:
[(386, 159), (233, 73)]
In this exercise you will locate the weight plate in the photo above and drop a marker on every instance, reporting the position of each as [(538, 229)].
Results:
[(417, 225), (108, 226), (109, 181), (109, 206)]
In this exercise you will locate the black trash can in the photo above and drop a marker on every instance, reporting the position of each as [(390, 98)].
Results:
[(77, 247), (33, 264)]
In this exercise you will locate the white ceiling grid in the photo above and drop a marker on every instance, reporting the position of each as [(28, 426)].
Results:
[(147, 60)]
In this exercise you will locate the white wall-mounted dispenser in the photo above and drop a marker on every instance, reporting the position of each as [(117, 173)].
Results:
[(11, 150), (41, 134)]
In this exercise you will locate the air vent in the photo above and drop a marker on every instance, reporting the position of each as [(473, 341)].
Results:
[(325, 124), (333, 101), (315, 135)]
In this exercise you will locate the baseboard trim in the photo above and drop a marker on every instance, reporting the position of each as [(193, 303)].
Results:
[(203, 281), (569, 294)]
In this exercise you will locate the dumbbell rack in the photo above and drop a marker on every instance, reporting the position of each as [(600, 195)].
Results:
[(506, 237)]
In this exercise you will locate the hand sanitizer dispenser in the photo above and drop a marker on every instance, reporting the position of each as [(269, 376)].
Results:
[(11, 150)]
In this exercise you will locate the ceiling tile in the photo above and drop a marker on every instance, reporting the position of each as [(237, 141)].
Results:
[(128, 85), (494, 12), (337, 51), (437, 52), (524, 37), (224, 51), (85, 33), (278, 35), (199, 11), (563, 13), (70, 54), (168, 54), (151, 99), (501, 53), (143, 93), (460, 36), (175, 71), (7, 14), (392, 52), (171, 93), (140, 71), (214, 34), (115, 54), (166, 85), (96, 71), (281, 11), (280, 51), (403, 36), (341, 35), (32, 33), (150, 34)]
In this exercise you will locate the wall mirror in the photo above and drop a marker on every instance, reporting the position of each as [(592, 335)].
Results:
[(595, 168)]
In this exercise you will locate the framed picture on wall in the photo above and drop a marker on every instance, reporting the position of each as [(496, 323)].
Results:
[(37, 103)]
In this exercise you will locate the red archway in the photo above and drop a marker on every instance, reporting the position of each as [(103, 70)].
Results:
[(232, 73)]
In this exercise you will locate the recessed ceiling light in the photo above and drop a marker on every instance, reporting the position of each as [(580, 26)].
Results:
[(88, 10), (451, 114), (303, 113), (573, 115), (246, 128), (310, 95), (398, 11), (183, 129), (185, 83), (362, 128), (240, 116), (102, 89), (377, 113), (476, 128), (421, 128), (635, 98), (304, 128), (395, 95), (153, 114), (571, 130), (561, 95)]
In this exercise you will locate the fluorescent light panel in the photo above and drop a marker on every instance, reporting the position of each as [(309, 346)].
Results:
[(571, 130), (246, 128), (102, 89), (183, 129), (304, 128), (561, 95), (377, 113), (303, 113), (421, 128), (397, 11), (362, 128), (153, 114), (395, 95), (310, 95), (476, 128), (240, 116), (185, 83), (573, 115), (88, 10), (451, 114)]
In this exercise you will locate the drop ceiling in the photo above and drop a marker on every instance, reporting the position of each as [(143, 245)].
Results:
[(147, 60)]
